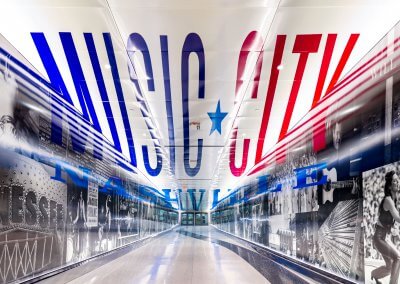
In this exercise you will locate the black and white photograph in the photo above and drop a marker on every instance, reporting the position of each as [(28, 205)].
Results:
[(33, 205), (282, 234), (307, 236), (381, 223), (77, 220)]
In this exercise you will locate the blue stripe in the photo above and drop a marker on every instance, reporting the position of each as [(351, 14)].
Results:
[(120, 95), (179, 198), (194, 44), (79, 80), (102, 88), (55, 100), (50, 65), (140, 44), (81, 88), (53, 97), (202, 192), (215, 198), (136, 41), (57, 81), (168, 99), (192, 195)]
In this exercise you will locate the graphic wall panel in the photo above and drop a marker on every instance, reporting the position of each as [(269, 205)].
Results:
[(64, 195), (328, 195)]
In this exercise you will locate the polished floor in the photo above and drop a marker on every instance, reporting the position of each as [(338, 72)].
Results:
[(184, 255)]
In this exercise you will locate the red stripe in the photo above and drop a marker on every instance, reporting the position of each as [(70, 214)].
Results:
[(276, 61), (282, 151), (257, 75), (326, 60), (343, 60), (247, 47), (304, 44), (343, 83), (335, 90), (319, 139), (238, 171), (347, 80)]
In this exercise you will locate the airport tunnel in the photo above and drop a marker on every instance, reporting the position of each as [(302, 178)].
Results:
[(215, 141)]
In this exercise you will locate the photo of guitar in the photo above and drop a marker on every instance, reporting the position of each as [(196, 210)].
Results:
[(333, 183)]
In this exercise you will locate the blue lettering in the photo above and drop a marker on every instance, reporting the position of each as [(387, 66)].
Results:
[(137, 43), (192, 44), (310, 172)]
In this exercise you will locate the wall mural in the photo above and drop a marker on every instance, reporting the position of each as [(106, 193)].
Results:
[(334, 206), (63, 200), (326, 194), (179, 96)]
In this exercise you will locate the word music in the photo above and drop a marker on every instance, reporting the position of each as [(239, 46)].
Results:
[(304, 46)]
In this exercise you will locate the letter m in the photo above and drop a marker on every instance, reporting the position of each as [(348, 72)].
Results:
[(78, 139)]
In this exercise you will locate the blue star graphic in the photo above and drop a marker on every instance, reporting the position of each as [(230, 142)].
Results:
[(216, 118)]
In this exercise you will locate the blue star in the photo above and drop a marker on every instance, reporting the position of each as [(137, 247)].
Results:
[(216, 118)]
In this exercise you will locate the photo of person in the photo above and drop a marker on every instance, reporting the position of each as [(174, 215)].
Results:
[(105, 222), (52, 213), (127, 221), (388, 214), (340, 194), (381, 228), (8, 90), (256, 213), (343, 178), (307, 236), (80, 224), (18, 122), (77, 219), (288, 200)]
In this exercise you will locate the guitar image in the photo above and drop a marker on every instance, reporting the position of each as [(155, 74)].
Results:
[(333, 183)]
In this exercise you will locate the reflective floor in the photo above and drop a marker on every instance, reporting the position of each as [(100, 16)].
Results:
[(184, 255)]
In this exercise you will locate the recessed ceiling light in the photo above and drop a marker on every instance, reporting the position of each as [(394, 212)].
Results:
[(280, 67)]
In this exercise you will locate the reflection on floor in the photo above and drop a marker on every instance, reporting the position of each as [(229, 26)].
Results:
[(184, 255)]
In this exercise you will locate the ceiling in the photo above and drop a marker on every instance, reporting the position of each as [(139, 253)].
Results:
[(206, 88)]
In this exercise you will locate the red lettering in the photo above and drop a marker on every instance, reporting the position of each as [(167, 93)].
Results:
[(273, 80), (319, 135), (304, 44), (253, 40), (238, 171)]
